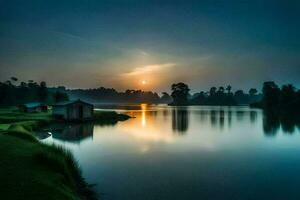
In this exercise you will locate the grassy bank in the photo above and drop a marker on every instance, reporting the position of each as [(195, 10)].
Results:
[(11, 116), (32, 170)]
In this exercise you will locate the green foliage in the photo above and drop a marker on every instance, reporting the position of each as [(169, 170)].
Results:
[(271, 93), (20, 132), (4, 126), (180, 93), (13, 93), (215, 96), (12, 115), (166, 98), (45, 168), (43, 92), (58, 160), (252, 91), (110, 95), (276, 101), (35, 169), (61, 96)]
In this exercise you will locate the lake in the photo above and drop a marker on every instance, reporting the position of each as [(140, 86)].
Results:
[(196, 152)]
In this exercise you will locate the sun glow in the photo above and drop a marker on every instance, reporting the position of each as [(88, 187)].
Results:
[(143, 82), (143, 108)]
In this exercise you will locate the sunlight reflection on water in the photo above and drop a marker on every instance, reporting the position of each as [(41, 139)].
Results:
[(204, 152)]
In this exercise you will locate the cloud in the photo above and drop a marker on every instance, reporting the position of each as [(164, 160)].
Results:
[(149, 69), (144, 53)]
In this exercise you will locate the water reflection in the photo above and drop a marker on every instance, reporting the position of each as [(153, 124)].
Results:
[(213, 118), (224, 150), (143, 109), (180, 120), (229, 118), (240, 115), (70, 132), (154, 123), (272, 124), (223, 117), (253, 116)]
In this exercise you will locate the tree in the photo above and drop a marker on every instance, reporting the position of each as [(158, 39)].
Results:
[(221, 90), (287, 95), (252, 91), (228, 89), (271, 94), (180, 93), (212, 91), (23, 84), (14, 79), (199, 98), (42, 91), (166, 98), (239, 93), (61, 96)]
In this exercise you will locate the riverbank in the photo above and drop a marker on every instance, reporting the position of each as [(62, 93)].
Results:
[(11, 116), (30, 169)]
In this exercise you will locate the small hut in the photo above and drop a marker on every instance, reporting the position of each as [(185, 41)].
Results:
[(33, 107), (73, 110)]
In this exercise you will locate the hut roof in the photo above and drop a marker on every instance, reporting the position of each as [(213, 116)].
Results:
[(65, 103), (33, 104)]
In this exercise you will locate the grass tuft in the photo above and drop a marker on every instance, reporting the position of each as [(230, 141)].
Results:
[(20, 132), (61, 161)]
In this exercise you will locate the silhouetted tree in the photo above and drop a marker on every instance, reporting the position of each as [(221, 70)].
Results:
[(213, 97), (13, 94), (199, 98), (180, 92), (252, 91), (221, 90), (110, 95), (43, 91), (287, 96), (14, 79), (212, 91), (61, 96), (283, 103), (239, 93), (271, 94), (166, 98), (228, 89)]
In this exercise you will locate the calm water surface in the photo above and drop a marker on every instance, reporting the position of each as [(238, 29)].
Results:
[(188, 153)]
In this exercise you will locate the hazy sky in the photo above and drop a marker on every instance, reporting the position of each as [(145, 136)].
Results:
[(121, 43)]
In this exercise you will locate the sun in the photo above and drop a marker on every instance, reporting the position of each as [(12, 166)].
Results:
[(143, 82)]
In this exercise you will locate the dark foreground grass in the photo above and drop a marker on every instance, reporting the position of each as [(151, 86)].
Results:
[(12, 115), (32, 170)]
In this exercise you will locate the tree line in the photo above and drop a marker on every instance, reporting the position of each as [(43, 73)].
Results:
[(273, 98), (15, 92), (110, 95), (279, 100), (215, 96)]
